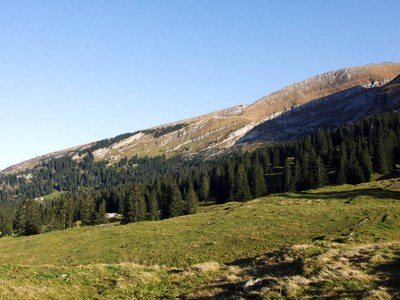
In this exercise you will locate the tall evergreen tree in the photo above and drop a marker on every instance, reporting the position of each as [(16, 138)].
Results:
[(65, 212), (204, 191), (135, 205), (288, 183), (171, 200), (6, 226), (258, 188), (191, 200), (154, 212), (296, 174), (101, 215), (176, 207), (219, 184), (320, 173), (355, 173), (88, 210), (342, 168), (230, 181), (27, 220), (380, 159), (365, 161), (242, 189)]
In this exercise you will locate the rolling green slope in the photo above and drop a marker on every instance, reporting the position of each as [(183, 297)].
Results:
[(211, 253)]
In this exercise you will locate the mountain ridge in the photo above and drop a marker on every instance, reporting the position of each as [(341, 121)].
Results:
[(225, 128)]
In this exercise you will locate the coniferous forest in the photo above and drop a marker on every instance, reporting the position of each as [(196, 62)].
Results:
[(143, 188)]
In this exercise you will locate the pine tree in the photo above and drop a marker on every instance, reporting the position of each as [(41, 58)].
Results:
[(154, 212), (355, 173), (329, 156), (220, 189), (320, 173), (88, 210), (6, 226), (27, 220), (171, 200), (192, 202), (288, 183), (258, 188), (342, 168), (275, 156), (242, 189), (135, 205), (307, 180), (365, 161), (296, 175), (65, 210), (101, 215), (380, 161), (265, 161), (204, 192), (230, 182), (176, 207)]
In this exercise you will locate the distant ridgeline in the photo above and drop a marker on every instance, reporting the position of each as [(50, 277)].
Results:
[(109, 142), (158, 188)]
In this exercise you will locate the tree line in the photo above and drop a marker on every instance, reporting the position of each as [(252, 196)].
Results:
[(159, 188)]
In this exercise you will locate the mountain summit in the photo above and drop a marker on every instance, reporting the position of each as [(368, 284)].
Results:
[(326, 100)]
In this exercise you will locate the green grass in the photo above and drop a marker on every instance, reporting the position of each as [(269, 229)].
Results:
[(155, 259), (53, 195)]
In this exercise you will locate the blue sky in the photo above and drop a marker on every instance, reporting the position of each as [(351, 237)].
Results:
[(74, 72)]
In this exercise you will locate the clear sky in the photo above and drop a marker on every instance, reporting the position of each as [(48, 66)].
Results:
[(73, 72)]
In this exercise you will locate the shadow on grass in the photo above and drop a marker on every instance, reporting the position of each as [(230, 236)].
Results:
[(389, 276), (370, 192), (274, 271)]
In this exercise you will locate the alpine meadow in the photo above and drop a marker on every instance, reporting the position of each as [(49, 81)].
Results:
[(296, 196)]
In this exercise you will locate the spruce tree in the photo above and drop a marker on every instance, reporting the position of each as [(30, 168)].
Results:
[(230, 180), (135, 205), (342, 168), (27, 219), (258, 188), (191, 200), (220, 185), (355, 173), (88, 210), (65, 211), (204, 191), (380, 161), (242, 189), (320, 173), (154, 212), (6, 226), (171, 200), (288, 183), (176, 207), (265, 161), (101, 215), (296, 175), (365, 161)]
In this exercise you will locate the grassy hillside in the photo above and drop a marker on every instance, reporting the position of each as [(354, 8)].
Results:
[(342, 240)]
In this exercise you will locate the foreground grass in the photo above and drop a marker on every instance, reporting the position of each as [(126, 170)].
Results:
[(211, 253)]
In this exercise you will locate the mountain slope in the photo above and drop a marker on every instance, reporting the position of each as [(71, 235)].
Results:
[(294, 110), (330, 111)]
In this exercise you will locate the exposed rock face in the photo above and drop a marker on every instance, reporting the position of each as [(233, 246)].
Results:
[(389, 94), (331, 111), (329, 99), (321, 86)]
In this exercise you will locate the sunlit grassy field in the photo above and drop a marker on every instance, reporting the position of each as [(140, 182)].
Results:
[(210, 253)]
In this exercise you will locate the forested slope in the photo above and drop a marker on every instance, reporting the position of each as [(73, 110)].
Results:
[(160, 188)]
